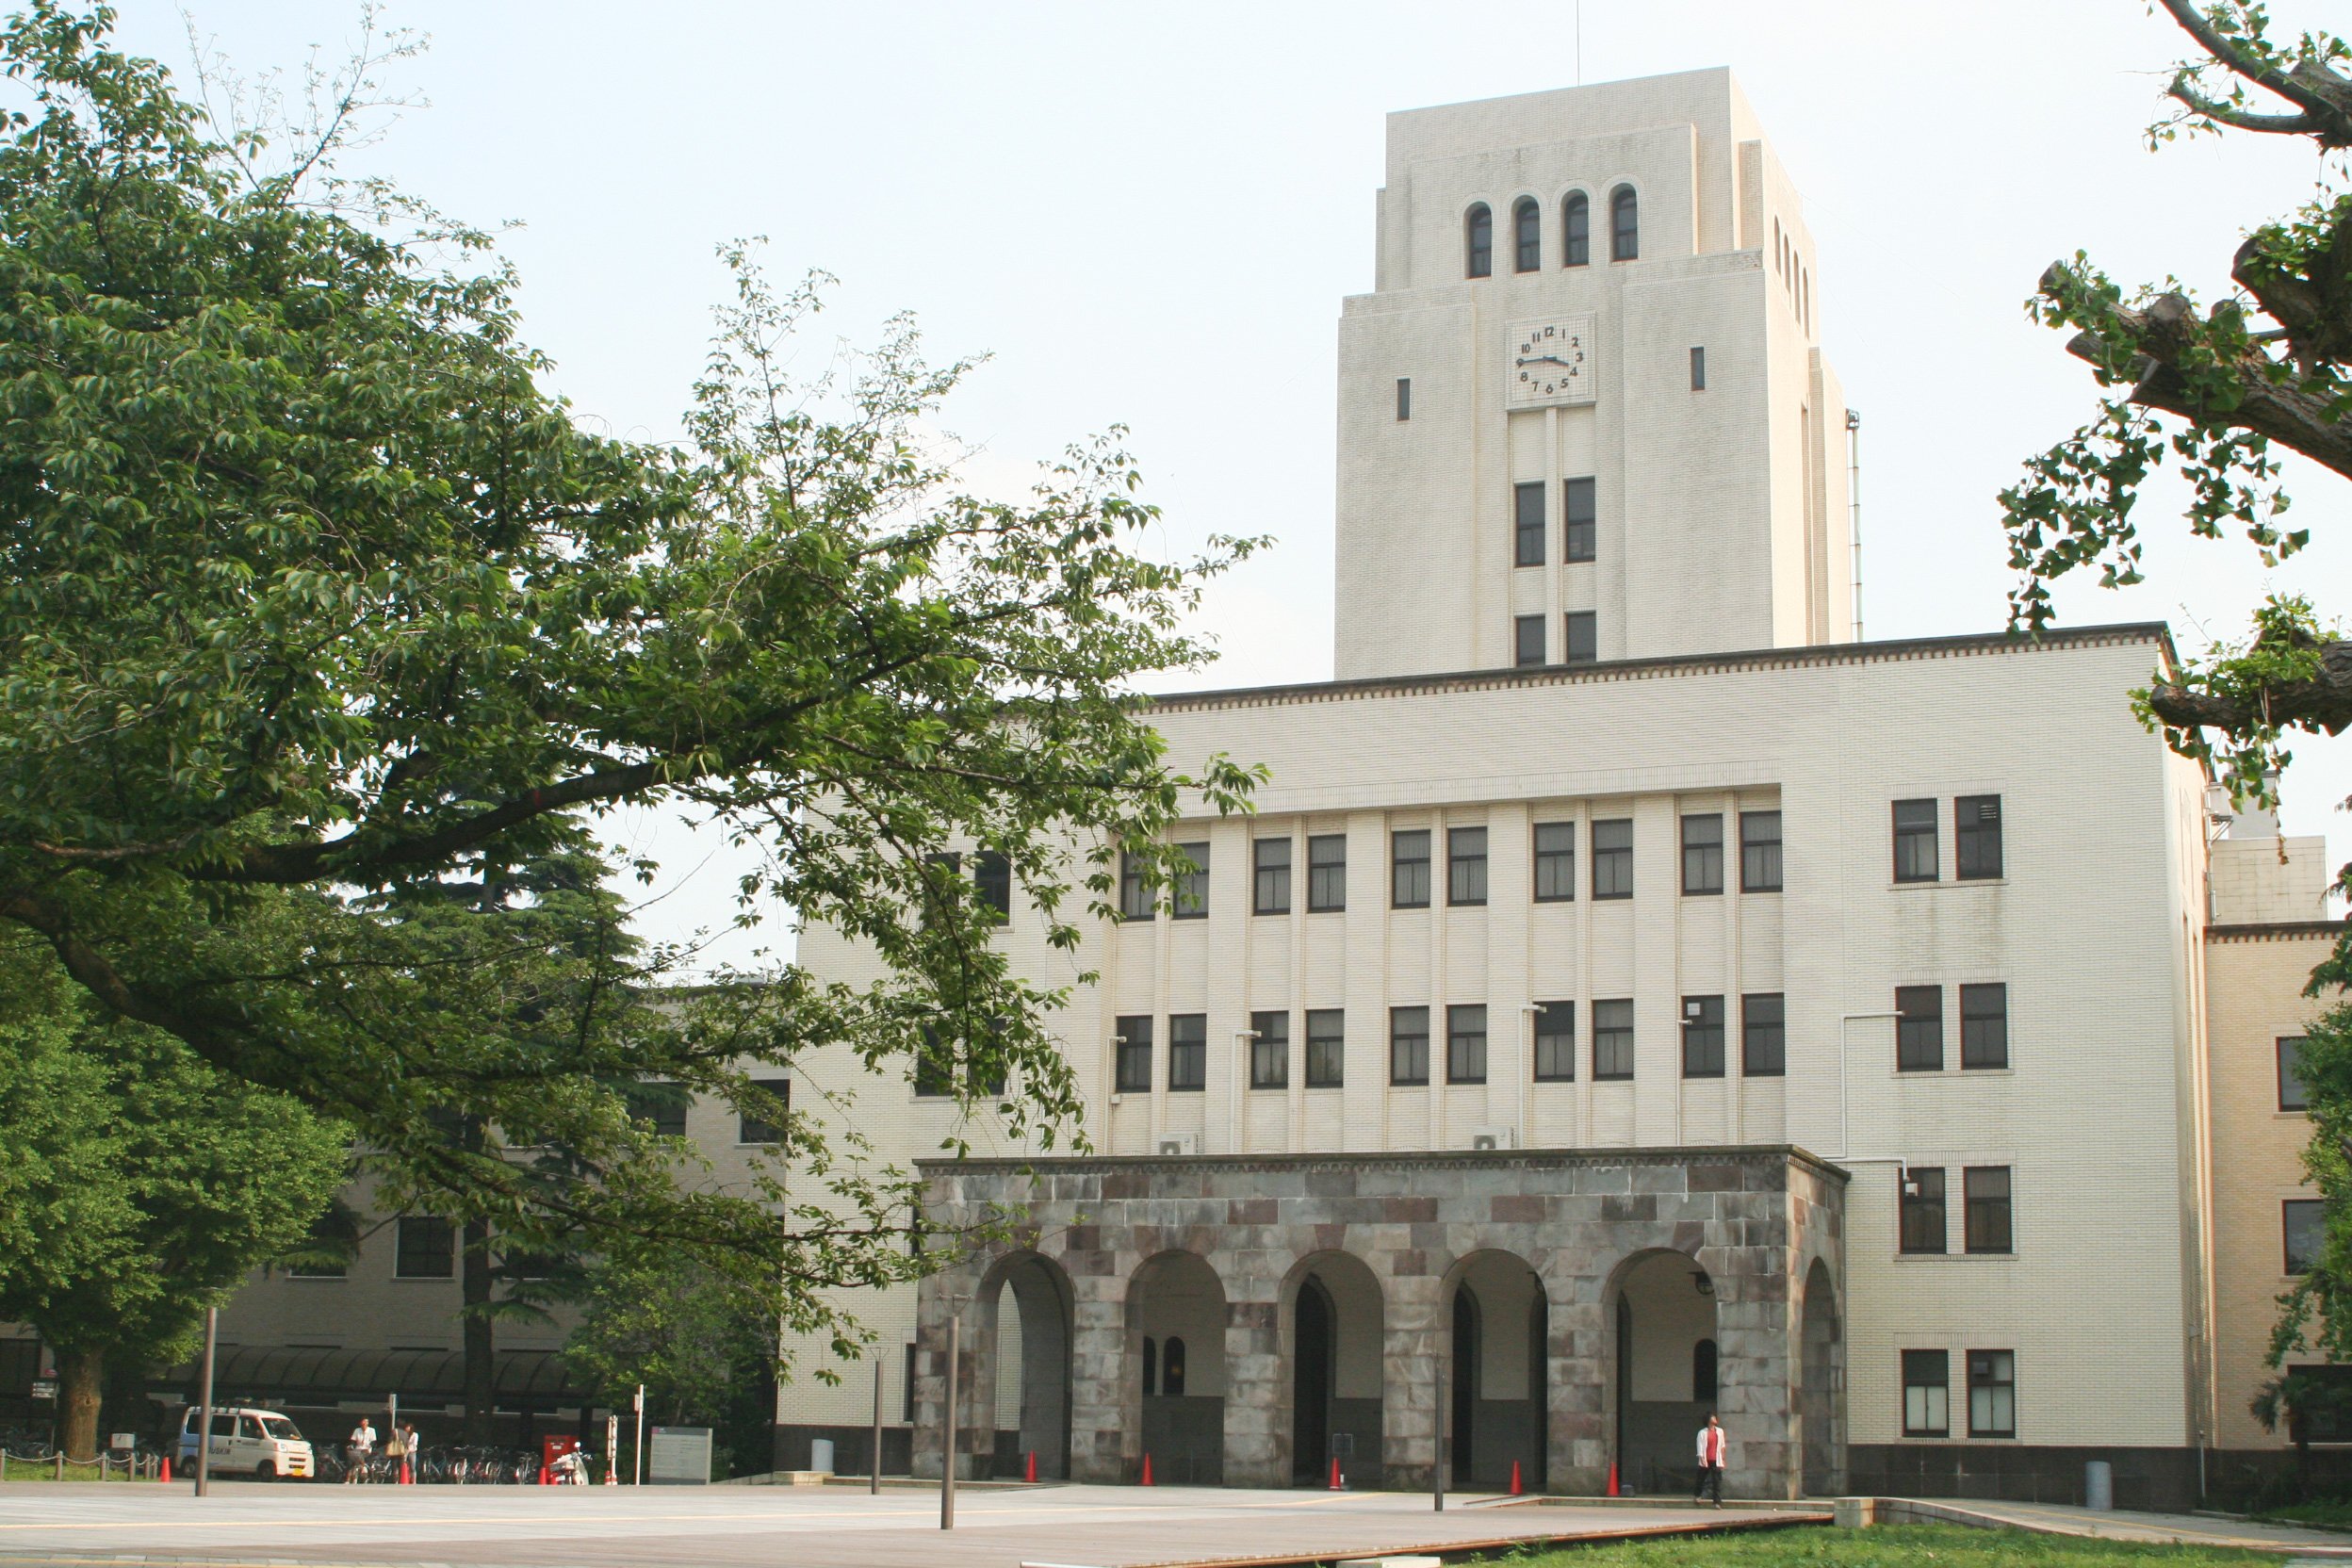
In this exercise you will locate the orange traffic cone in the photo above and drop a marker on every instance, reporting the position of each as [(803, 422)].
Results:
[(1612, 1477), (406, 1477), (1335, 1485), (1029, 1472), (543, 1477), (1147, 1469), (165, 1476), (1514, 1477)]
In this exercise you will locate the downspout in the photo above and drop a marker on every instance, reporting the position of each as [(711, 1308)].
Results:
[(1853, 510)]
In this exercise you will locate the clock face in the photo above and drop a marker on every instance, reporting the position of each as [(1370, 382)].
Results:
[(1552, 361)]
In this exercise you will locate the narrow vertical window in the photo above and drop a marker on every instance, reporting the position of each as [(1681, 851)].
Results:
[(1135, 897), (1192, 883), (1698, 369), (1926, 1393), (1188, 1052), (1526, 523), (1526, 223), (935, 1066), (1992, 1394), (1270, 1050), (1612, 1040), (1703, 854), (1270, 879), (1555, 1042), (1404, 399), (2304, 1220), (1702, 1037), (1759, 851), (1584, 638), (1984, 1026), (1624, 225), (1408, 1045), (1984, 1200), (1612, 859), (1172, 1368), (752, 1127), (1466, 1044), (1919, 1028), (1976, 837), (1326, 1048), (1134, 1047), (1465, 865), (1410, 869), (1479, 242), (1575, 230), (1763, 1036), (1922, 1208), (1554, 862), (1915, 840), (1527, 642), (1577, 497), (993, 873), (1327, 873), (2292, 1096)]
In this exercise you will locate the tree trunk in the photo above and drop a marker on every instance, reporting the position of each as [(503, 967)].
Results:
[(80, 1376), (480, 1338)]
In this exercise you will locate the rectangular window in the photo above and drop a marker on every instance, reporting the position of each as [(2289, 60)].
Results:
[(1404, 399), (2306, 1222), (1555, 1042), (1919, 1028), (935, 1066), (1992, 1394), (1465, 865), (1612, 1040), (1921, 1208), (660, 1106), (1526, 520), (1703, 854), (1327, 873), (1985, 1194), (1577, 494), (1926, 1394), (1702, 1037), (1466, 1044), (1187, 1052), (1759, 851), (1410, 869), (1134, 1056), (754, 1129), (1326, 1048), (1915, 840), (1269, 892), (1270, 1053), (993, 873), (2290, 1094), (1583, 645), (1976, 837), (1527, 642), (1192, 883), (424, 1246), (1698, 369), (1612, 859), (1135, 898), (330, 1245), (1408, 1045), (1554, 862), (1984, 1025), (1763, 1036)]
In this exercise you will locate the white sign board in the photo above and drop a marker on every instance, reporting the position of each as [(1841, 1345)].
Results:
[(44, 1389), (124, 1439), (678, 1456)]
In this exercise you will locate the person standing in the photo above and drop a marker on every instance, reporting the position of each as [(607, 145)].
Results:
[(1713, 1445), (361, 1448)]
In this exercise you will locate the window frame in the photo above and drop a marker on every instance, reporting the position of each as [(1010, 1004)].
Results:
[(1554, 1046), (1527, 237), (1703, 1054), (1759, 856), (2315, 1211), (1624, 225), (1131, 1066), (1189, 896), (1560, 860), (1478, 240), (746, 1125), (1917, 1032), (1317, 903), (446, 1256), (1763, 1063), (1404, 399), (1616, 858), (1994, 1387), (1984, 1048), (2288, 1074), (1698, 366), (1971, 858), (1529, 503), (1466, 1043), (1703, 860), (1580, 512), (1916, 1235), (1911, 834), (1465, 868), (1584, 648), (1269, 1049), (1327, 1051), (1408, 1050), (1136, 900), (1527, 642), (1397, 863), (1620, 1038), (1576, 229), (1269, 882), (1187, 1059), (1933, 1392), (1988, 1218)]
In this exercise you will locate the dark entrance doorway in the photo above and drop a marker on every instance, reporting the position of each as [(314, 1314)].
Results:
[(1463, 1442), (1311, 1384)]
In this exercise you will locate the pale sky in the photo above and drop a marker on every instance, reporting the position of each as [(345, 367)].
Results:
[(1150, 215)]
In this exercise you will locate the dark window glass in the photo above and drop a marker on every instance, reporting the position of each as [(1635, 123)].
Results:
[(1976, 837), (1919, 1028), (1926, 1393), (1702, 1037), (1326, 1048), (1578, 503), (330, 1243), (1612, 859), (1134, 1056), (1270, 876), (1327, 873), (754, 1129), (1584, 638), (1526, 523), (2290, 1094), (1698, 369), (1575, 230), (1759, 851), (1555, 861), (1703, 854), (1612, 1040), (1408, 1045), (1479, 242), (1526, 641), (1985, 1194), (1192, 883), (2306, 1222), (940, 890), (1410, 866), (1187, 1052), (1922, 1207), (663, 1106), (992, 874), (1915, 840), (935, 1066), (1466, 1044), (2330, 1422), (1763, 1036), (424, 1247), (1624, 225), (1984, 1025), (1172, 1368), (1270, 1053), (1404, 398), (1528, 224), (1555, 1042), (1135, 898), (1465, 865), (1992, 1394)]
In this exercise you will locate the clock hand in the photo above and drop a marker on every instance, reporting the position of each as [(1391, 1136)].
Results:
[(1543, 359)]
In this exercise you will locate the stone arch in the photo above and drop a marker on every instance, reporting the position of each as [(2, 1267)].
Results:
[(1500, 1404), (1331, 1398), (1020, 1369), (1659, 1303), (1176, 1299), (1821, 1385)]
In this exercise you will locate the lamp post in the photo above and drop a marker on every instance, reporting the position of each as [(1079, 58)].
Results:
[(874, 1480), (637, 1460), (203, 1419), (947, 1449), (1437, 1420)]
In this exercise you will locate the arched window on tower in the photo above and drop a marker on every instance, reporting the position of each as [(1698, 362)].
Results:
[(1624, 225), (1172, 1368), (1526, 223), (1479, 242), (1703, 1372), (1575, 230), (1150, 1365)]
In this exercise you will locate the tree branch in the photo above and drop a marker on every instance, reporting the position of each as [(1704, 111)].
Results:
[(2324, 97)]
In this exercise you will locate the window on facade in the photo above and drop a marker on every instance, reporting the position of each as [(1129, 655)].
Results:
[(1172, 1368), (992, 876), (935, 1066), (1326, 1048), (1915, 840), (1575, 230), (1269, 878), (1408, 1045), (1466, 1044), (1919, 1028), (1409, 867), (1526, 523), (2290, 1094), (329, 1244), (1404, 399), (1526, 223), (1985, 1194), (1624, 225), (1921, 1208), (1576, 497), (940, 890), (1477, 237), (2305, 1219), (1763, 1036), (1526, 641), (1133, 1075), (1702, 1037), (1759, 851), (1703, 854), (1612, 859), (1992, 1394), (1612, 1040), (1554, 862), (1187, 1052), (1976, 837), (1269, 1053), (1465, 865), (750, 1128), (1926, 1393), (1698, 369), (1555, 1042), (1134, 896), (1984, 1025), (424, 1246), (1584, 638), (660, 1106), (1192, 883), (1327, 873)]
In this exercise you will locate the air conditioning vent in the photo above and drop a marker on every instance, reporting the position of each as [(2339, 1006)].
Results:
[(1487, 1140), (1179, 1145)]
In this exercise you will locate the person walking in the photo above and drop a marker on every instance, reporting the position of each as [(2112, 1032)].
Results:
[(1713, 1445)]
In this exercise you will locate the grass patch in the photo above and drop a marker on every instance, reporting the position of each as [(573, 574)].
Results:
[(2335, 1515), (1884, 1546)]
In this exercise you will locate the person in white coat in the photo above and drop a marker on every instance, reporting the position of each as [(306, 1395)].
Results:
[(1713, 1447)]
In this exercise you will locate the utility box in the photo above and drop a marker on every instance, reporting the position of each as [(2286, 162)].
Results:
[(678, 1456)]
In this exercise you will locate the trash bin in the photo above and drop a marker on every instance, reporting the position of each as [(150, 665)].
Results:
[(2099, 1484), (821, 1455)]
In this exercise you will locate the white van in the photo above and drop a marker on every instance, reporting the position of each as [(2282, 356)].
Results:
[(260, 1441)]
